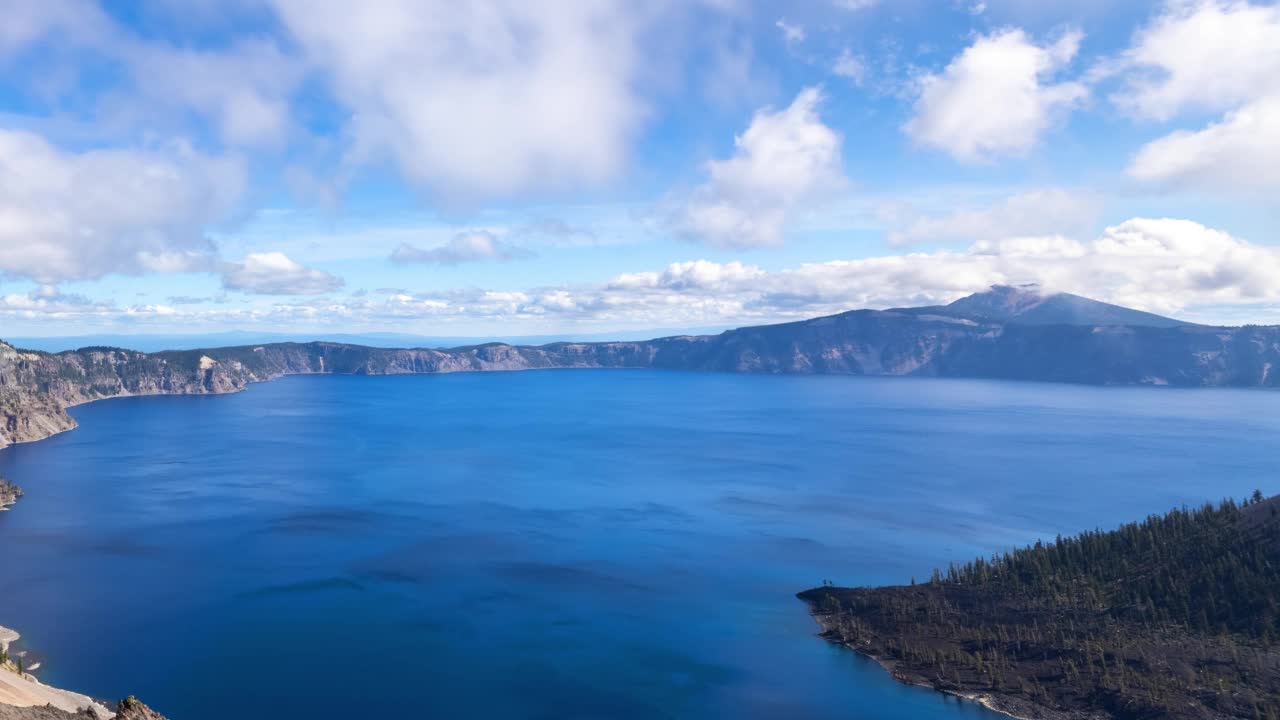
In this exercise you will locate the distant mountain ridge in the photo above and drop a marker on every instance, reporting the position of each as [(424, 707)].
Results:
[(1028, 305), (1003, 333), (162, 342)]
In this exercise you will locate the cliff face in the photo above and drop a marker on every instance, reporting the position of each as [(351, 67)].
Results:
[(1007, 333), (36, 388)]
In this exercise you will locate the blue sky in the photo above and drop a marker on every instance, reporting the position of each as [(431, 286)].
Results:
[(596, 165)]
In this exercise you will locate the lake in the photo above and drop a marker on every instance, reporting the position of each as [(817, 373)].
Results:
[(560, 544)]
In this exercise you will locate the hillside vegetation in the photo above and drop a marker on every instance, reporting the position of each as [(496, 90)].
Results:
[(1177, 616)]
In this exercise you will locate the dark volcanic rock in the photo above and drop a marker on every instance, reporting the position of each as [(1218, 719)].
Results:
[(131, 708), (128, 709), (10, 712)]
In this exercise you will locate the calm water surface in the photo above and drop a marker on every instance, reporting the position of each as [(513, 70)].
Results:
[(561, 544)]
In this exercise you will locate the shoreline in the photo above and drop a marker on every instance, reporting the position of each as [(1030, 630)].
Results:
[(992, 702), (7, 442), (987, 701), (24, 690)]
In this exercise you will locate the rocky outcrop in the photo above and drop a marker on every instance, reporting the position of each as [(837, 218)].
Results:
[(128, 709), (9, 493), (46, 712), (131, 708), (1006, 333)]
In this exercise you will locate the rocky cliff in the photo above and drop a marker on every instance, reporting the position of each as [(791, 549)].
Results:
[(1005, 333), (128, 709)]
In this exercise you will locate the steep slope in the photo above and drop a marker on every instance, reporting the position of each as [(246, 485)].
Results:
[(35, 387), (861, 342), (1029, 305), (1173, 617)]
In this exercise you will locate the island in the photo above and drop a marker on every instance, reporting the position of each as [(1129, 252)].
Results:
[(1176, 616), (9, 494)]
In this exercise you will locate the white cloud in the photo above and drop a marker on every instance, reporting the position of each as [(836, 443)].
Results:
[(274, 273), (72, 216), (469, 246), (1161, 265), (1205, 54), (76, 21), (791, 33), (1241, 152), (482, 98), (244, 87), (785, 159), (702, 275), (1046, 211), (850, 66), (855, 4), (997, 97)]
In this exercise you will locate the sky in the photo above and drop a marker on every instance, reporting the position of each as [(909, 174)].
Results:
[(587, 166)]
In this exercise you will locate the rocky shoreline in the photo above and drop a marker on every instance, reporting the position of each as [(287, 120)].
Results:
[(1008, 705), (9, 494), (24, 697), (1170, 617)]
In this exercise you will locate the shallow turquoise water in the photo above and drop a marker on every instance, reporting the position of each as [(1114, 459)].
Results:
[(560, 544)]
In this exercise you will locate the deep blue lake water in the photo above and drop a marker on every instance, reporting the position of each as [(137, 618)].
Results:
[(560, 544)]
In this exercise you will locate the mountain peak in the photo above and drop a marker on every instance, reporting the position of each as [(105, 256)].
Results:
[(1030, 304), (1002, 302)]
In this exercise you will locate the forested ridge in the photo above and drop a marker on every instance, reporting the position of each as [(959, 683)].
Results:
[(1172, 617)]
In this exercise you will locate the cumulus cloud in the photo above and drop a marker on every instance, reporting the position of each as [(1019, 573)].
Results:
[(482, 98), (701, 275), (78, 21), (243, 87), (1241, 152), (1208, 55), (1046, 211), (47, 302), (1162, 265), (465, 247), (997, 97), (75, 216), (786, 159), (246, 88), (274, 273)]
